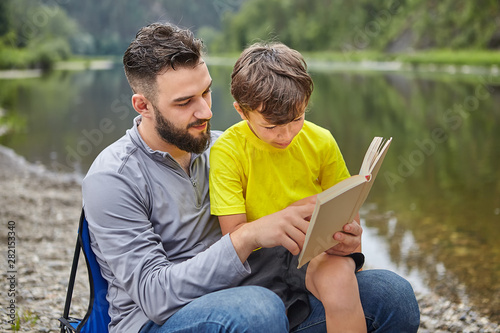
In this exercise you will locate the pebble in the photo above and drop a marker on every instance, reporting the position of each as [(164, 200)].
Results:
[(46, 208)]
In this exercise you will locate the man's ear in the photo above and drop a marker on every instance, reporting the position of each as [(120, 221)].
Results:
[(238, 108), (142, 105)]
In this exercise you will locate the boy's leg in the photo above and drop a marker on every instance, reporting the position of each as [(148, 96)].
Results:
[(388, 300), (332, 280), (240, 309)]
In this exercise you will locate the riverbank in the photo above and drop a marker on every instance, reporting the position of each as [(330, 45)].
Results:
[(447, 61), (451, 61), (478, 58), (45, 208)]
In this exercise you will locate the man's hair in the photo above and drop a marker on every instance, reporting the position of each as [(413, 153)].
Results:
[(272, 76), (155, 49)]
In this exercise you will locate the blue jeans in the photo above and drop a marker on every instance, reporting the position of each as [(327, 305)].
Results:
[(388, 301), (241, 309)]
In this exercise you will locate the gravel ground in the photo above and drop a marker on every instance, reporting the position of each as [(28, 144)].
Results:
[(44, 209)]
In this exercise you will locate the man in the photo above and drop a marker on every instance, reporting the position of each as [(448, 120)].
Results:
[(147, 204)]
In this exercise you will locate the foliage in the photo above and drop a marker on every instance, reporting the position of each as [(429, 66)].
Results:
[(53, 30), (111, 25), (458, 57), (39, 37), (4, 18), (441, 59), (346, 26), (38, 21)]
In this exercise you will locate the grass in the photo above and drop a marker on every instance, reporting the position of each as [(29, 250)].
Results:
[(440, 59), (484, 58), (451, 57), (26, 318), (436, 57)]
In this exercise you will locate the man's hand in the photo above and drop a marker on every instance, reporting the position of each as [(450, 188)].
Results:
[(349, 239), (285, 228)]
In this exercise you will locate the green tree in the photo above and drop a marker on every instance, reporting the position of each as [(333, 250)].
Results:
[(40, 35), (343, 25), (111, 25), (4, 18)]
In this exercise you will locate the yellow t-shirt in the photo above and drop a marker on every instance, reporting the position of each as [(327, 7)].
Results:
[(250, 176)]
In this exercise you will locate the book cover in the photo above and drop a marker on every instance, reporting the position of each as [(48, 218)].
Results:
[(340, 203)]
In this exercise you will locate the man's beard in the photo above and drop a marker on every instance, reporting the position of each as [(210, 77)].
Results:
[(180, 137)]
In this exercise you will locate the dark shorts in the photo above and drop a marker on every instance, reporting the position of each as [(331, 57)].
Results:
[(276, 269)]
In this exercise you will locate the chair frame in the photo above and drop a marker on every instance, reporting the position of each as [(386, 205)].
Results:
[(71, 324)]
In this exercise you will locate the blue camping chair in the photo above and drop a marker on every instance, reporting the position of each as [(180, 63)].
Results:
[(96, 319)]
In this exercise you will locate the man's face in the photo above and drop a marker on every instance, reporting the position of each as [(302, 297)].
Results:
[(182, 112)]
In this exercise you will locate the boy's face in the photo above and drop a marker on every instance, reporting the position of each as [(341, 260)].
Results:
[(278, 136)]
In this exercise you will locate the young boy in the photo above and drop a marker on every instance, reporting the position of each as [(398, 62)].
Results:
[(272, 159)]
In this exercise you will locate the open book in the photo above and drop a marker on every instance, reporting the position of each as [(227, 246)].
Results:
[(340, 203)]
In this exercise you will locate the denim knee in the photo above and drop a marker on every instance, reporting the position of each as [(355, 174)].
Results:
[(248, 309), (389, 302), (264, 310)]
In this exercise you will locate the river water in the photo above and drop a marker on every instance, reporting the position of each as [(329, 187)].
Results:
[(433, 215)]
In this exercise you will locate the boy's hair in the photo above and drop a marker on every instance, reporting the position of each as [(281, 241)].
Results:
[(155, 49), (272, 76)]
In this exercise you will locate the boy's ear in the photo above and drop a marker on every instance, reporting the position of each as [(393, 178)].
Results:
[(237, 107), (142, 105)]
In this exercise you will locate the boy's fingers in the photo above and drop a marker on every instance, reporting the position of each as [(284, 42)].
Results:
[(297, 235), (291, 246), (353, 228)]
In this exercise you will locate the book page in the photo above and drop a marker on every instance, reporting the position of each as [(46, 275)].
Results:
[(370, 156), (379, 158)]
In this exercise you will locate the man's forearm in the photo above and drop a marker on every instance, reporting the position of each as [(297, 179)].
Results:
[(242, 241)]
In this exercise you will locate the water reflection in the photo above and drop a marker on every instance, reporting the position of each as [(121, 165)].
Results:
[(378, 252), (439, 182), (434, 215)]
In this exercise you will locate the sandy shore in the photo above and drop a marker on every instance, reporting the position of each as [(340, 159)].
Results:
[(43, 209)]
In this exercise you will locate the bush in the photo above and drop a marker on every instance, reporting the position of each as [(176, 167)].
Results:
[(43, 55), (13, 58), (48, 52)]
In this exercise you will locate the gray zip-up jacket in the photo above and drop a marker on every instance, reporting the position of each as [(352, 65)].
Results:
[(151, 230)]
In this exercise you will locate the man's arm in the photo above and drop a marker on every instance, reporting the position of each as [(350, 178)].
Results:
[(133, 258)]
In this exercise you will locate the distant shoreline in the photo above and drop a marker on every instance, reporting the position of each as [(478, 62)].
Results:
[(447, 61)]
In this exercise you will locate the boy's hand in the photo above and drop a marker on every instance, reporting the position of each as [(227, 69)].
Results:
[(349, 239), (306, 200), (285, 228)]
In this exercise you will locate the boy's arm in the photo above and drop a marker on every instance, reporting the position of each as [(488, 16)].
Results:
[(229, 223), (285, 228)]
